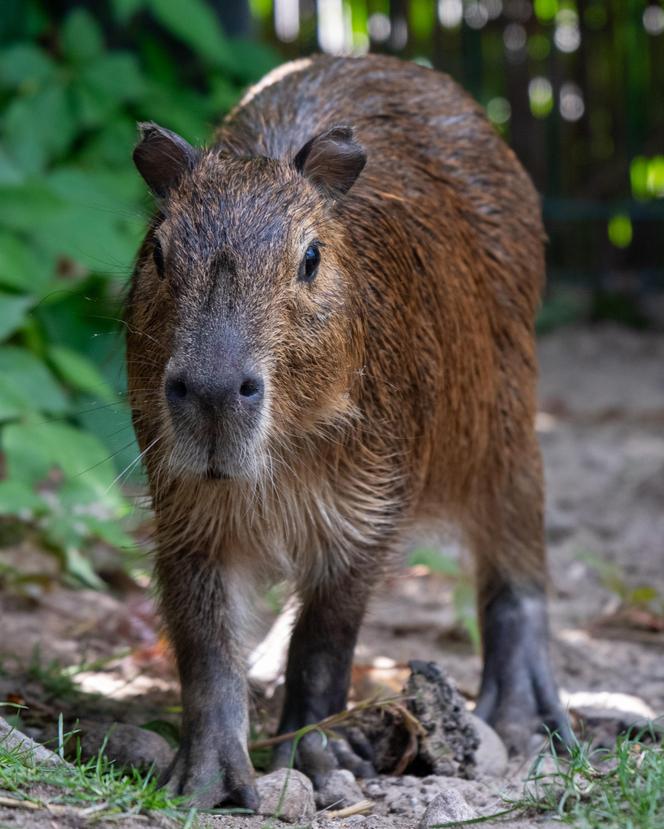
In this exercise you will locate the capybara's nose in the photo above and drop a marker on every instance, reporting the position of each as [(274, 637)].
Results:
[(239, 391)]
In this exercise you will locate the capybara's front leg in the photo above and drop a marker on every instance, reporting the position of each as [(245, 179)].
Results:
[(201, 605), (317, 679)]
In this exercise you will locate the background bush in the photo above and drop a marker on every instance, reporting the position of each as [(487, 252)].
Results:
[(72, 212), (574, 85)]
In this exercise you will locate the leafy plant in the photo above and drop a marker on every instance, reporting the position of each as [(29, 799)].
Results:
[(72, 212), (463, 592), (617, 788), (615, 579), (96, 788)]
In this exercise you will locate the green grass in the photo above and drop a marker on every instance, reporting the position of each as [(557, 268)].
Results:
[(617, 788), (96, 789)]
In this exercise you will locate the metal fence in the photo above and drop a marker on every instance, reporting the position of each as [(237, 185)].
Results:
[(576, 87)]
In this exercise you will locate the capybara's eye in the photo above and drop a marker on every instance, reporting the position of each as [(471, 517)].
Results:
[(310, 263), (158, 256)]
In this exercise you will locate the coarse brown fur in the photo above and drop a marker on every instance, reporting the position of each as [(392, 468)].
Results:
[(399, 384)]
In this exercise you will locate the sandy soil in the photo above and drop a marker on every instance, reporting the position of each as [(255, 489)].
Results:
[(601, 427)]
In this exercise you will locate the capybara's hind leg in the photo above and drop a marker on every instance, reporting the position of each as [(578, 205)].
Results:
[(518, 691)]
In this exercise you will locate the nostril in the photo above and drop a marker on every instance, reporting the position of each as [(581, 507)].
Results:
[(251, 388), (176, 389)]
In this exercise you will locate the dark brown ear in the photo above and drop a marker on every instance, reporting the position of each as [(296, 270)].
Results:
[(332, 160), (162, 157)]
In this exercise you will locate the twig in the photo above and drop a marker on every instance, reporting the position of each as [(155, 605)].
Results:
[(358, 808), (326, 724), (415, 731), (15, 803)]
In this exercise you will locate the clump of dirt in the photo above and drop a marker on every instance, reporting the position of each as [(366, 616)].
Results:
[(432, 732)]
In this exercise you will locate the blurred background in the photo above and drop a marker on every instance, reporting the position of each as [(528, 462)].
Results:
[(575, 86)]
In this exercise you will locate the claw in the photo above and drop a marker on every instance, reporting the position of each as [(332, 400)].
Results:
[(210, 778), (317, 757), (519, 693)]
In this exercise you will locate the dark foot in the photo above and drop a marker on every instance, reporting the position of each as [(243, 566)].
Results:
[(317, 755), (519, 694), (212, 773)]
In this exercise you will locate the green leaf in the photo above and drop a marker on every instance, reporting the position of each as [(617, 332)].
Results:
[(26, 385), (20, 266), (198, 27), (38, 128), (109, 531), (79, 372), (252, 60), (124, 10), (9, 169), (103, 85), (113, 425), (118, 75), (97, 189), (27, 206), (223, 93), (436, 561), (91, 234), (32, 450), (188, 113), (13, 310), (18, 499), (643, 595), (112, 144), (24, 65), (93, 237), (81, 38), (78, 566)]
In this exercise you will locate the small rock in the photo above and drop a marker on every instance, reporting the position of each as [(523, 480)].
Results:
[(448, 806), (339, 789), (491, 755), (126, 745), (374, 789), (287, 794), (605, 725), (12, 739), (403, 796)]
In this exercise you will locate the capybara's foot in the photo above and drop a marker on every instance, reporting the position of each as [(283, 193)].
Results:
[(317, 755), (211, 773), (519, 694)]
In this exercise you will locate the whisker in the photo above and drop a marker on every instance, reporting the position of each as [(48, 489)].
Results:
[(130, 466)]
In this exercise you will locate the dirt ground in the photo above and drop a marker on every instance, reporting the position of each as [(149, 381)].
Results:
[(601, 426)]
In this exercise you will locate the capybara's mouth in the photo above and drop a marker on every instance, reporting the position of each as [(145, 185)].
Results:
[(212, 473)]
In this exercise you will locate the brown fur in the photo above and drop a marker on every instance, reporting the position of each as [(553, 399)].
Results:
[(400, 384)]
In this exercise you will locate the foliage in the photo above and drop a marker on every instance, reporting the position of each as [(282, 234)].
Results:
[(614, 578), (72, 211), (617, 788), (463, 593), (96, 788)]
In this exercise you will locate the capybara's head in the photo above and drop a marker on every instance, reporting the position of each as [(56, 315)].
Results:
[(240, 322)]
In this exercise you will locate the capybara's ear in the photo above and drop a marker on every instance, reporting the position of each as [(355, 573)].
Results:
[(332, 160), (162, 157)]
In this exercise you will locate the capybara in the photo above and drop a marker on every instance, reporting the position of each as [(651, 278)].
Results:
[(330, 345)]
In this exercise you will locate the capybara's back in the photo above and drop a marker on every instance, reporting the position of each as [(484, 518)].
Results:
[(340, 296)]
